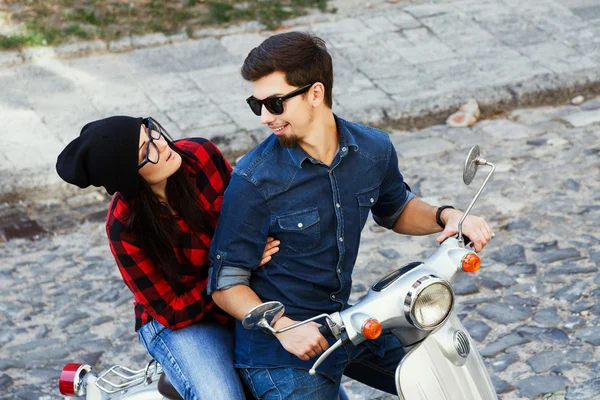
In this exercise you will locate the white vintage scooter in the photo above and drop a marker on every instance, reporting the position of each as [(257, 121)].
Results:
[(415, 302)]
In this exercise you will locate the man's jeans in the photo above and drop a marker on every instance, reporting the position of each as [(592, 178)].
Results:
[(198, 359), (295, 383)]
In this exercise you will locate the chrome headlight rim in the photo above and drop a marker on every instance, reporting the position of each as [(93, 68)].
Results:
[(413, 294)]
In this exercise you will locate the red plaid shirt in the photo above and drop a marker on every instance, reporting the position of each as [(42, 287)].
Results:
[(154, 297)]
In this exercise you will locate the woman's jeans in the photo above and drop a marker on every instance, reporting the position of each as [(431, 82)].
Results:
[(198, 359)]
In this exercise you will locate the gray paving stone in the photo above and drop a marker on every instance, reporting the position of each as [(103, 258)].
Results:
[(10, 58), (403, 20), (585, 391), (504, 313), (551, 256), (81, 49), (5, 381), (424, 148), (546, 360), (148, 40), (583, 118), (509, 254), (120, 45), (477, 329), (503, 343), (504, 361), (537, 385), (589, 334), (428, 10)]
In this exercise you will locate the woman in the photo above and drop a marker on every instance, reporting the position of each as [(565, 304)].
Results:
[(166, 203)]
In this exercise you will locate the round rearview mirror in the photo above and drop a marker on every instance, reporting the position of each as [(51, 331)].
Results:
[(263, 315), (471, 165)]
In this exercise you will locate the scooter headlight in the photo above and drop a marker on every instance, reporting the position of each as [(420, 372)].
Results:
[(429, 302)]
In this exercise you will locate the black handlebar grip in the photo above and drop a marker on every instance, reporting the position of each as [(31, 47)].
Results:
[(466, 239), (325, 331)]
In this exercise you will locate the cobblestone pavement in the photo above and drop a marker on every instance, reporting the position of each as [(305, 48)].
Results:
[(532, 308), (409, 63)]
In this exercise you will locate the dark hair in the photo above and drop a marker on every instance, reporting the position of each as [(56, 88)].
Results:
[(156, 226), (302, 57)]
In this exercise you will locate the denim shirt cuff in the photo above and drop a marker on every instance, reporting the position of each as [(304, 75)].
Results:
[(227, 277), (390, 221)]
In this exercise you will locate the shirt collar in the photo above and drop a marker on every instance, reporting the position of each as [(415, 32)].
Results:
[(346, 140)]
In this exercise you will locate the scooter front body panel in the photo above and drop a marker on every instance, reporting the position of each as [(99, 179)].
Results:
[(444, 366)]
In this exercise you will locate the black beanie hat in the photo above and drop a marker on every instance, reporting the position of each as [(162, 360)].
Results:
[(104, 154)]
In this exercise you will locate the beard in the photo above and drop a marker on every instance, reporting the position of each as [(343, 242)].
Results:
[(288, 141)]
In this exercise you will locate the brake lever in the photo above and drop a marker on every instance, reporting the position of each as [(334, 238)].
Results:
[(323, 356)]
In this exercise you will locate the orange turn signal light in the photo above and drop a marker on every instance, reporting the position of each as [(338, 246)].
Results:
[(371, 329), (471, 262)]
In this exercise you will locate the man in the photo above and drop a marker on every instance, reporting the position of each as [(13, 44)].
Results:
[(311, 185)]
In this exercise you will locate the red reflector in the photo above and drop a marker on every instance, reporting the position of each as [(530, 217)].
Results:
[(68, 377)]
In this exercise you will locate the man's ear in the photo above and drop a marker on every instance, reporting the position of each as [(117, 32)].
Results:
[(317, 94)]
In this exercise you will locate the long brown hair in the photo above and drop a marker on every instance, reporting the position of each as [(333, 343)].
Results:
[(155, 224)]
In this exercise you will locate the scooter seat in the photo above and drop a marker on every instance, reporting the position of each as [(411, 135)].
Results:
[(167, 389)]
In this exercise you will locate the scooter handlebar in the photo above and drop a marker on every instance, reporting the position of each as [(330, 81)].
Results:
[(325, 330)]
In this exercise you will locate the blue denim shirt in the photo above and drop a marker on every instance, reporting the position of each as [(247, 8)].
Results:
[(317, 212)]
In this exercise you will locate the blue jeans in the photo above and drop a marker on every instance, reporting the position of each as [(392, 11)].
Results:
[(198, 359), (360, 363)]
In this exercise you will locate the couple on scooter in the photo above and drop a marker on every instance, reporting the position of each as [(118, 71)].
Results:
[(310, 186)]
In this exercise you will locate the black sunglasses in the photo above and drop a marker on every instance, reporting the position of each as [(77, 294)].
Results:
[(155, 132), (274, 104)]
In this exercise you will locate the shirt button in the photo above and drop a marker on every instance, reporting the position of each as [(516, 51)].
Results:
[(372, 200), (218, 256), (343, 149), (341, 239), (332, 296), (300, 225), (337, 205), (339, 270)]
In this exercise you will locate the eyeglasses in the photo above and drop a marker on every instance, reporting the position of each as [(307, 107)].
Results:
[(155, 132), (274, 104)]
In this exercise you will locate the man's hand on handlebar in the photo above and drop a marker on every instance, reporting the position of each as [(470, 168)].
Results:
[(475, 228), (305, 341)]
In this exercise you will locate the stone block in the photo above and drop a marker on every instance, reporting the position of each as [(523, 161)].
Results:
[(421, 11), (428, 147), (120, 45), (403, 20), (149, 40), (10, 58), (222, 85), (200, 54), (379, 24), (240, 45), (425, 52), (366, 108), (583, 118), (80, 49), (198, 117), (239, 112)]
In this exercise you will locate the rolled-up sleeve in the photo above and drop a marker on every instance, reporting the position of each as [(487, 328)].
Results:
[(240, 236), (394, 194)]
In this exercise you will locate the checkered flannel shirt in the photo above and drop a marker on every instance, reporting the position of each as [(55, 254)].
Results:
[(154, 297)]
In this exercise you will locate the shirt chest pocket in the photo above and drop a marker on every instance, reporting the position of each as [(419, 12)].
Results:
[(299, 231), (366, 199)]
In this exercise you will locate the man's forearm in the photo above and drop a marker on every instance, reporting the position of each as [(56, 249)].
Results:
[(236, 301), (418, 218)]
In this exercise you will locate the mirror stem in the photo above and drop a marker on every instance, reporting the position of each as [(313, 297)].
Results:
[(479, 161), (287, 328)]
